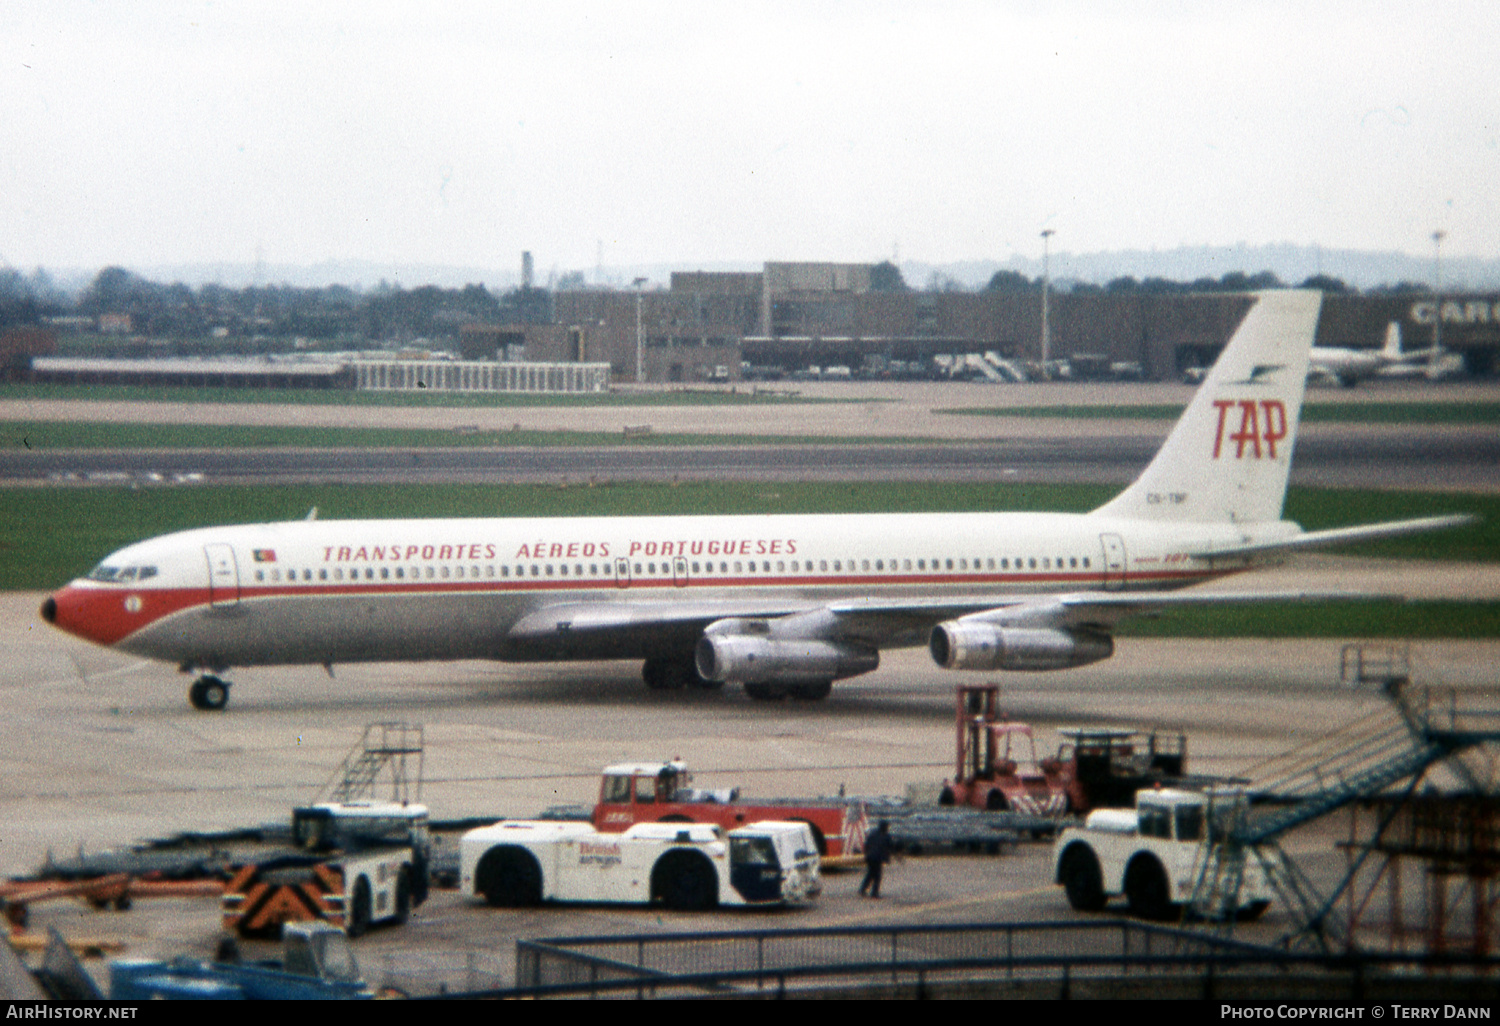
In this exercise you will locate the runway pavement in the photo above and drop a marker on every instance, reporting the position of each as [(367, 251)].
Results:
[(917, 431)]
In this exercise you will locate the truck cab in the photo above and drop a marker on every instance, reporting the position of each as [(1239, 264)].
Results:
[(656, 784), (328, 826), (663, 792), (1172, 848)]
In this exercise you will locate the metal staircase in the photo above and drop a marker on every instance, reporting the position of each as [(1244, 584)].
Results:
[(382, 746), (1367, 758)]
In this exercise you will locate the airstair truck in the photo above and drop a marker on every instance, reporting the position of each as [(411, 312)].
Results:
[(1172, 850), (679, 865)]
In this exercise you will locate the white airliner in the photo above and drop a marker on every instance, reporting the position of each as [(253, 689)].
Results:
[(784, 605), (1348, 367)]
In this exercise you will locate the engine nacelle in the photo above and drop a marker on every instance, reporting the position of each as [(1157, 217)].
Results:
[(750, 659), (976, 645)]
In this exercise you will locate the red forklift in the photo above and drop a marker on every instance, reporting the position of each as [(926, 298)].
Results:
[(1095, 767), (997, 768)]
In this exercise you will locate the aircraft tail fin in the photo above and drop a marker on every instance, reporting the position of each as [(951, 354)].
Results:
[(1228, 457), (1392, 348)]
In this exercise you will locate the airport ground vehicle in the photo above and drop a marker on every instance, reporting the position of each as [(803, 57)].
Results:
[(1105, 766), (997, 769), (662, 792), (366, 862), (679, 865), (316, 964), (996, 764), (1172, 845)]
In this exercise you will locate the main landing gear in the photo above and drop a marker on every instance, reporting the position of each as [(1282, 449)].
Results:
[(666, 674), (674, 675), (815, 691), (209, 693)]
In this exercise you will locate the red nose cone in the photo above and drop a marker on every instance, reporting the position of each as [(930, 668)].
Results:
[(102, 615)]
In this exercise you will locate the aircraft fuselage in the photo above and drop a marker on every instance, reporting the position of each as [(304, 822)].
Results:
[(356, 591)]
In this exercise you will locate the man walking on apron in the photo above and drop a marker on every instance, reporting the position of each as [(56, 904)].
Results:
[(877, 854)]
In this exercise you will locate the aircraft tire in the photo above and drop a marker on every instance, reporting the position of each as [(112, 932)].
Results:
[(815, 692), (209, 693), (765, 692), (666, 675)]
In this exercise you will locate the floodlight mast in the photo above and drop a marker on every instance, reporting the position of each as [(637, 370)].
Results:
[(1437, 290), (1046, 289), (640, 343)]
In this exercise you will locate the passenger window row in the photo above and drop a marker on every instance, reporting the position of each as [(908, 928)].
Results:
[(607, 570)]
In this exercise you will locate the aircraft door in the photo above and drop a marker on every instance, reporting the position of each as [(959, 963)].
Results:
[(680, 572), (622, 573), (223, 576), (1114, 561)]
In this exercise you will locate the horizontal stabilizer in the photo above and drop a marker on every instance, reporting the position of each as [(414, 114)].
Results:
[(1343, 536)]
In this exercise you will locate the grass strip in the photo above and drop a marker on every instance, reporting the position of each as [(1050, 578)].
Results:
[(743, 395), (1312, 412), (1352, 619), (101, 435)]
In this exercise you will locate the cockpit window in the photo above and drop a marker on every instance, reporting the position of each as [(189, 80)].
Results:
[(119, 575)]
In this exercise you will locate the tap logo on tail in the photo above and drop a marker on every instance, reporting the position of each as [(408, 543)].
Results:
[(1262, 423)]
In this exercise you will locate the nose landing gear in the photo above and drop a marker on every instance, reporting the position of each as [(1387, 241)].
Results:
[(209, 693)]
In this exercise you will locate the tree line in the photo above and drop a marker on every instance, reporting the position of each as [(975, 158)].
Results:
[(332, 314), (259, 317)]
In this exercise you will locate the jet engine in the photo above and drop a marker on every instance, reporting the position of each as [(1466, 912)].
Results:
[(751, 659), (977, 645)]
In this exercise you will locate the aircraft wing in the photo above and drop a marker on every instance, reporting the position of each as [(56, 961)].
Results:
[(588, 626), (1085, 609)]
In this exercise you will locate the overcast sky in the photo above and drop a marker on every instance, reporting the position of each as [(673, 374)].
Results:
[(151, 133)]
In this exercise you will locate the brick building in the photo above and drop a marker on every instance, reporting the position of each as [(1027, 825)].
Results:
[(794, 315)]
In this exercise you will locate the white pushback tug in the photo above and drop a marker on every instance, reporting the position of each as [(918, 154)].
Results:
[(680, 865)]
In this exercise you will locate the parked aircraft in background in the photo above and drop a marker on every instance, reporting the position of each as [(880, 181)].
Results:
[(1348, 367), (783, 605)]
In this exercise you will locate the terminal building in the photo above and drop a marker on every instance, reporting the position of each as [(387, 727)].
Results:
[(706, 325)]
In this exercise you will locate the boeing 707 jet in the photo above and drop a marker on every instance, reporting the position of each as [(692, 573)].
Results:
[(783, 605)]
